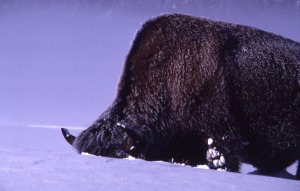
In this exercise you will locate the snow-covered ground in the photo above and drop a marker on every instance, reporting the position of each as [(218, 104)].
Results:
[(60, 64), (38, 158)]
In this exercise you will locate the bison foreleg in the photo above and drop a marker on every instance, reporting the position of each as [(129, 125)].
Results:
[(298, 171), (218, 160)]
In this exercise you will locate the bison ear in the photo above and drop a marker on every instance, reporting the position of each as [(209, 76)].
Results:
[(132, 139)]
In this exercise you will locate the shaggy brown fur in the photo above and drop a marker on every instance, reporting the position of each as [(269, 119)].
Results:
[(188, 79)]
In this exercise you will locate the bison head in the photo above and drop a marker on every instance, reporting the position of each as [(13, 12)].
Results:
[(106, 138)]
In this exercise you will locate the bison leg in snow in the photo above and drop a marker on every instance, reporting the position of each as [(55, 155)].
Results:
[(298, 171)]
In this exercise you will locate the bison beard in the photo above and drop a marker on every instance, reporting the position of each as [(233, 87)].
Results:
[(189, 79)]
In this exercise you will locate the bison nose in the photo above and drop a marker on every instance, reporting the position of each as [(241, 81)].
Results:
[(69, 138)]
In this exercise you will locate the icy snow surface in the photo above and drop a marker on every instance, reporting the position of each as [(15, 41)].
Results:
[(60, 63), (42, 160), (37, 157)]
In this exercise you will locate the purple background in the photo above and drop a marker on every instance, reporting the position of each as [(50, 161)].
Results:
[(61, 59)]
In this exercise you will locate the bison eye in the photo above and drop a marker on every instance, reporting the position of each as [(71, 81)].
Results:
[(132, 140)]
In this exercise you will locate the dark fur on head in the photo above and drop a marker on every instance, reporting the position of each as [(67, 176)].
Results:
[(188, 79)]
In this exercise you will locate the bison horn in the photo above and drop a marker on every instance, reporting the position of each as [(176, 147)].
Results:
[(127, 130), (132, 140), (69, 138)]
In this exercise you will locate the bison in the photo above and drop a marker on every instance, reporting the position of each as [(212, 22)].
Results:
[(187, 80)]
